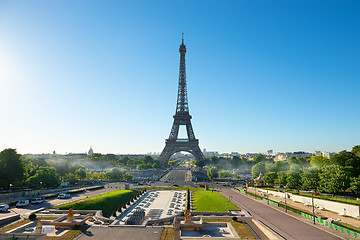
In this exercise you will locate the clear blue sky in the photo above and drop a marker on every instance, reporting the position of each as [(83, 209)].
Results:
[(280, 75)]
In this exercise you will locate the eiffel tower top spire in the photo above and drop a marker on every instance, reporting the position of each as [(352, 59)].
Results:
[(182, 107)]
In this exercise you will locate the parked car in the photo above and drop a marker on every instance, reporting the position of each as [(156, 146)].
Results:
[(4, 207), (63, 195), (22, 203), (37, 200)]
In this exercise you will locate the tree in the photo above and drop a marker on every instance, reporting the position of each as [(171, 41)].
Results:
[(259, 158), (46, 175), (282, 178), (281, 166), (12, 168), (356, 151), (355, 185), (258, 168), (80, 173), (115, 174), (333, 178), (127, 176), (293, 178), (318, 161), (269, 178), (225, 174), (310, 178), (212, 173), (348, 159)]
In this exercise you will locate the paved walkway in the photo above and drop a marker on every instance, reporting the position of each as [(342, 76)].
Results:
[(287, 226), (158, 204)]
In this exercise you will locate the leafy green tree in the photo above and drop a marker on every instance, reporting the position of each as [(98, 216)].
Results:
[(212, 173), (225, 174), (115, 174), (259, 158), (236, 162), (281, 166), (12, 168), (147, 160), (122, 161), (292, 160), (76, 166), (310, 178), (270, 177), (128, 177), (202, 163), (62, 166), (156, 164), (47, 175), (282, 178), (355, 185), (347, 159), (69, 177), (293, 180), (334, 178), (318, 161), (356, 151), (258, 168), (80, 173)]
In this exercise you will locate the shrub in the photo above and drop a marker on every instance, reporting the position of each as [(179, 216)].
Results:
[(234, 219), (32, 217)]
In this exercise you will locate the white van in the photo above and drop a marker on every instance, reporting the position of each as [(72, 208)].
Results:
[(23, 203), (37, 200)]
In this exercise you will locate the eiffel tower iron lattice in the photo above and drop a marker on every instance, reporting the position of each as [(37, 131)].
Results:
[(182, 117)]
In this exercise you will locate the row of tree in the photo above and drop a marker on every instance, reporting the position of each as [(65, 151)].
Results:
[(17, 170), (340, 173)]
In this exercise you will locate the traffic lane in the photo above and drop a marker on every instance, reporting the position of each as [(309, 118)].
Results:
[(177, 176), (288, 226)]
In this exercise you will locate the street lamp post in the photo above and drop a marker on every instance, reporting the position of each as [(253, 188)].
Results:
[(40, 188), (10, 193), (285, 200), (312, 199), (267, 195), (358, 207), (255, 191)]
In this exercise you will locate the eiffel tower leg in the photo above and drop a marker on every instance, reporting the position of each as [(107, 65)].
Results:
[(197, 153), (165, 155)]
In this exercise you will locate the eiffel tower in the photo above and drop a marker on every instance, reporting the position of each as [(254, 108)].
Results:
[(181, 117)]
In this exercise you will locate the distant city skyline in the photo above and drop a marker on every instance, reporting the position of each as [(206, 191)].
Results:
[(267, 75)]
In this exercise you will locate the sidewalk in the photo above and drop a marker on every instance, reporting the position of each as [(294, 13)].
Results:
[(328, 214)]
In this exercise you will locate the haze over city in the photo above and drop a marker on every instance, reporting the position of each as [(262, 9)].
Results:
[(260, 75)]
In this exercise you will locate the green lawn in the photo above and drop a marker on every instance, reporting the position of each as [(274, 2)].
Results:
[(208, 201), (107, 202)]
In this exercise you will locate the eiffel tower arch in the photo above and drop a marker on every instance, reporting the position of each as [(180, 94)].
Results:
[(181, 118)]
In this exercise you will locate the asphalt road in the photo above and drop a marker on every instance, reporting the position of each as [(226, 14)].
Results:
[(177, 177), (287, 226)]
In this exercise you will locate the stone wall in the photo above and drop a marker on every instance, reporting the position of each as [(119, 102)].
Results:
[(340, 208)]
